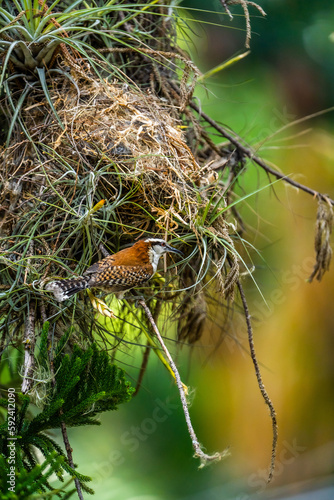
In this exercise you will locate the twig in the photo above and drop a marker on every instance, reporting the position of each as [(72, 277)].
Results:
[(142, 369), (224, 4), (103, 250), (69, 455), (259, 381), (244, 4), (62, 423), (197, 447), (250, 154), (29, 347)]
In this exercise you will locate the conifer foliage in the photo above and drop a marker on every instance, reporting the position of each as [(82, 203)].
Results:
[(84, 384)]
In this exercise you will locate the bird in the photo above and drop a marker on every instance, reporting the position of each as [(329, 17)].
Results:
[(117, 273)]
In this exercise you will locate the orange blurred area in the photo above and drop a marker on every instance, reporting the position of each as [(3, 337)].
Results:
[(293, 337)]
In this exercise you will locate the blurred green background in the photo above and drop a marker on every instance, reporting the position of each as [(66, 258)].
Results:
[(143, 451)]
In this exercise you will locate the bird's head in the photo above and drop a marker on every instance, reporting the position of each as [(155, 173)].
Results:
[(156, 248)]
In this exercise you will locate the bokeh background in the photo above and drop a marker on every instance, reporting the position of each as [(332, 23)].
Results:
[(143, 451)]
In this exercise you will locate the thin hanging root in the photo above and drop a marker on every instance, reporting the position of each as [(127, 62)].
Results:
[(100, 306), (260, 383), (204, 458)]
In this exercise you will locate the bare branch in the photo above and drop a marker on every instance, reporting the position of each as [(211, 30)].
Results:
[(62, 423), (204, 458), (69, 455), (142, 369), (251, 155), (259, 381)]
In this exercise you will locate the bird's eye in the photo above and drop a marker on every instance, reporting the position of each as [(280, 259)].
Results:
[(163, 244)]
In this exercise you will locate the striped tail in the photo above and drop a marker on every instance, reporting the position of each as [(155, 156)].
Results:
[(64, 289)]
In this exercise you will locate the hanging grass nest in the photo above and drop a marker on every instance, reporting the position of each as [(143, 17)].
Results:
[(110, 164), (102, 146)]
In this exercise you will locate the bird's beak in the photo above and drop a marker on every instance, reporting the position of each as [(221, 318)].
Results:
[(173, 250)]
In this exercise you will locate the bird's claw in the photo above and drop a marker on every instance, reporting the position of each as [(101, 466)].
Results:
[(100, 306)]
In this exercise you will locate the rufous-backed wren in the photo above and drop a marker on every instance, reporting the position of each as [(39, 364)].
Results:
[(117, 273)]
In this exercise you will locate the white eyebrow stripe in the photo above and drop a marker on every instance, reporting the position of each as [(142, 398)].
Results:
[(157, 240)]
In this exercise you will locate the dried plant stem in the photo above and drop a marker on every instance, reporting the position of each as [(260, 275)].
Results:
[(62, 423), (244, 4), (225, 5), (250, 154), (204, 458), (323, 231), (142, 369), (167, 55), (259, 380), (29, 347)]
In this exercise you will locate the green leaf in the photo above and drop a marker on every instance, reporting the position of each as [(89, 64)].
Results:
[(41, 74)]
